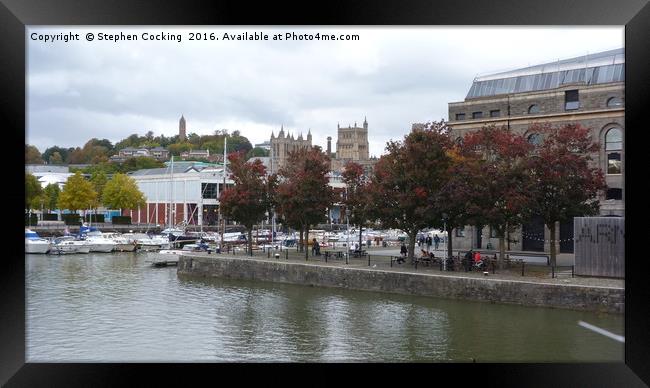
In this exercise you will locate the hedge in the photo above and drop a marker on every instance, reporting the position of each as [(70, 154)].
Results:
[(71, 219), (31, 220), (50, 217), (121, 220), (95, 217)]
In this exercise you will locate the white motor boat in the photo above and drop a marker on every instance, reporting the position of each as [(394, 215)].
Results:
[(35, 244), (153, 243), (100, 244), (68, 244), (122, 242)]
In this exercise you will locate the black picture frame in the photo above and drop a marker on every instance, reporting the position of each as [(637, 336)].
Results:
[(635, 15)]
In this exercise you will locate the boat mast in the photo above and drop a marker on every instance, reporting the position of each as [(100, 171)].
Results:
[(171, 194), (223, 229)]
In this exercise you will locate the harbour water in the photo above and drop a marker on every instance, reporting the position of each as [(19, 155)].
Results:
[(116, 308)]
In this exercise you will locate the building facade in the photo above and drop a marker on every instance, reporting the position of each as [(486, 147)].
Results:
[(182, 135), (282, 145), (352, 145), (192, 190), (589, 91)]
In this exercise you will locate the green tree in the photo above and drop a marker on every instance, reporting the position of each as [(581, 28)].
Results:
[(257, 151), (56, 158), (98, 179), (51, 194), (122, 192), (48, 154), (33, 192), (77, 194), (32, 155)]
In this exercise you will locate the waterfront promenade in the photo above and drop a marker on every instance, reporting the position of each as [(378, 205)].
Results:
[(537, 287)]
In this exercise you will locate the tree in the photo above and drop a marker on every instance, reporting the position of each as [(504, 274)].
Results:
[(122, 192), (258, 151), (497, 167), (566, 186), (51, 194), (33, 192), (56, 158), (303, 193), (49, 153), (407, 179), (98, 180), (357, 199), (77, 194), (248, 200), (32, 155)]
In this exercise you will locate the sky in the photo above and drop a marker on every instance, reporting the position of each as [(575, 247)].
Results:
[(393, 76)]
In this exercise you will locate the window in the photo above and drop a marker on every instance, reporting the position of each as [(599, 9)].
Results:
[(209, 190), (613, 163), (535, 139), (460, 232), (571, 100), (495, 113), (533, 109), (477, 115), (460, 116), (614, 194), (493, 233), (614, 102), (613, 146)]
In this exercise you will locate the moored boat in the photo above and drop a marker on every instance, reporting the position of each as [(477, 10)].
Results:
[(35, 244)]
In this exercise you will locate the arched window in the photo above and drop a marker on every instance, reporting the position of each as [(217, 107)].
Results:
[(614, 102), (613, 147), (535, 139), (533, 109)]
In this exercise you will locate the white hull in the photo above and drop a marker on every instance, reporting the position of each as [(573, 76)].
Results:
[(125, 247), (65, 249), (36, 246), (101, 247)]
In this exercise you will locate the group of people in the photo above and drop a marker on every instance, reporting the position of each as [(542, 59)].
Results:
[(315, 248), (435, 241), (476, 259)]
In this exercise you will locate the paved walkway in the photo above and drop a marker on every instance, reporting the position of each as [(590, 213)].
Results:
[(380, 261)]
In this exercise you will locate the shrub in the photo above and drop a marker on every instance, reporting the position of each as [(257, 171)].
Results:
[(94, 218), (71, 219), (121, 220), (50, 217)]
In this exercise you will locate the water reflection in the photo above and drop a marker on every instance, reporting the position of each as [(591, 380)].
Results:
[(113, 307)]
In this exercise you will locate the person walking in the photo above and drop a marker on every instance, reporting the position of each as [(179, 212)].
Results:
[(429, 241), (436, 241)]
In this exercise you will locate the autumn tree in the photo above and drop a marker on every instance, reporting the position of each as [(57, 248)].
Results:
[(501, 185), (32, 155), (566, 185), (356, 196), (77, 194), (249, 199), (303, 193), (33, 192), (49, 155), (407, 179), (122, 192), (98, 179)]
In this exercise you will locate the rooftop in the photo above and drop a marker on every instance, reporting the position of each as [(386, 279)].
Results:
[(590, 69)]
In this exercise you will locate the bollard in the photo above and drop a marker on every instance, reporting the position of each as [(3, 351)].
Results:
[(368, 260), (391, 261), (286, 253), (522, 268), (347, 254), (268, 253), (552, 272), (572, 270), (326, 257)]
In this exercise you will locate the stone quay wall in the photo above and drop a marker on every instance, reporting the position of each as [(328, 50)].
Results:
[(574, 297)]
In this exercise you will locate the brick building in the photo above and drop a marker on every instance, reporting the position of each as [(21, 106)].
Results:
[(588, 90)]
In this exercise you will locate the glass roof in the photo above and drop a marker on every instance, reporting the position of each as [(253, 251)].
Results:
[(599, 68)]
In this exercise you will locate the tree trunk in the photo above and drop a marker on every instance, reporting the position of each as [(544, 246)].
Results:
[(551, 228), (360, 237), (307, 242), (301, 242), (412, 237), (502, 250), (250, 241)]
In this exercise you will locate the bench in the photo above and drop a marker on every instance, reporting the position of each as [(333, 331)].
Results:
[(359, 253)]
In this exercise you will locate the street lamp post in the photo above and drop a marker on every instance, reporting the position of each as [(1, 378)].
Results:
[(347, 235), (444, 223)]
